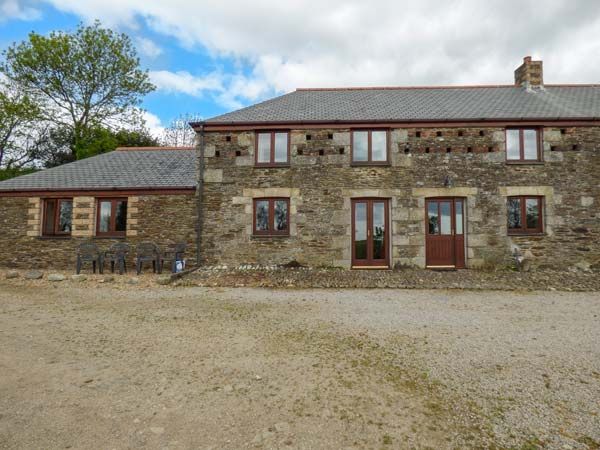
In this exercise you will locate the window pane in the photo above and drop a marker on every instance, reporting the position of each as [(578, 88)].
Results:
[(433, 219), (445, 218), (379, 145), (360, 231), (121, 216), (360, 146), (378, 230), (65, 217), (264, 147), (514, 213), (262, 215), (458, 206), (533, 212), (512, 144), (281, 212), (530, 142), (104, 223), (281, 147), (49, 216)]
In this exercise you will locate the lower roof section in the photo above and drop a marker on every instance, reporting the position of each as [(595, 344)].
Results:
[(147, 170)]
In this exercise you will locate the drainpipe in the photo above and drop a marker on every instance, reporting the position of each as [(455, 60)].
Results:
[(200, 189)]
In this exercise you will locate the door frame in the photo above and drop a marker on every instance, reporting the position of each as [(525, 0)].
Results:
[(371, 264), (458, 263)]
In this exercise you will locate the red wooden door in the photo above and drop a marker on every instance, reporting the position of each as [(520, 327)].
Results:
[(370, 231), (444, 223)]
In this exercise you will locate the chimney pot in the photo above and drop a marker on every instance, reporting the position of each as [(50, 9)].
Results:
[(530, 73)]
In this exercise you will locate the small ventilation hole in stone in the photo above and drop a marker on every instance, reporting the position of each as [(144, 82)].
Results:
[(217, 153), (481, 133), (439, 134), (469, 149), (228, 138), (238, 153), (418, 134), (330, 136), (341, 150), (321, 152), (308, 137)]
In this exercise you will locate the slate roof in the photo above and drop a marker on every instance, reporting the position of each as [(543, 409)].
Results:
[(121, 169), (423, 104)]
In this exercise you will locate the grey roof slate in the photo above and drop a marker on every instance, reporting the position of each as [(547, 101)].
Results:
[(129, 169), (423, 104)]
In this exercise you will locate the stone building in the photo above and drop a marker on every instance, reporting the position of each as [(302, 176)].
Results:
[(388, 177), (355, 178), (132, 194)]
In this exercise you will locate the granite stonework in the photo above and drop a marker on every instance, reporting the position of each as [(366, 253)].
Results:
[(158, 218), (321, 182)]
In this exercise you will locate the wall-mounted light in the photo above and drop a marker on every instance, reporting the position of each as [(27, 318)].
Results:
[(447, 181)]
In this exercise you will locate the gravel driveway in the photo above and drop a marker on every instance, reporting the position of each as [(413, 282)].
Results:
[(116, 366)]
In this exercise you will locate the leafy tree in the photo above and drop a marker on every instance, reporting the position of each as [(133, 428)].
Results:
[(18, 116), (97, 140), (81, 81)]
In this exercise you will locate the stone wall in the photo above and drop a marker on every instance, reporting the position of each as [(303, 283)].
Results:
[(158, 218), (322, 182)]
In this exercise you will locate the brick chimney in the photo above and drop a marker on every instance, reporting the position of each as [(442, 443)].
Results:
[(530, 73)]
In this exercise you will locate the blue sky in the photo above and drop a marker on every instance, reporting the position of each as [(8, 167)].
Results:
[(208, 57)]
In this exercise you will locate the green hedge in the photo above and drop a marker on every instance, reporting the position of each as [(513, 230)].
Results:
[(5, 174)]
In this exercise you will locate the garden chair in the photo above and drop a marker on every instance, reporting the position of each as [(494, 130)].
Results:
[(147, 252), (173, 253), (117, 255), (89, 252)]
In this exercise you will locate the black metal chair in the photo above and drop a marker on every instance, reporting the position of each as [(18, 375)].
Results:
[(147, 252), (172, 254), (117, 255), (89, 252)]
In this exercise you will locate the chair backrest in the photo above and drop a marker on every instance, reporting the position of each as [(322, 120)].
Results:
[(147, 249), (119, 248), (88, 249), (179, 247)]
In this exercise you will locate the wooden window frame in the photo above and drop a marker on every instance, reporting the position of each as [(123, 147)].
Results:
[(369, 161), (271, 162), (523, 231), (522, 159), (113, 217), (271, 219), (56, 218)]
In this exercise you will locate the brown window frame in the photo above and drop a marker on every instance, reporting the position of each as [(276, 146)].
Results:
[(369, 161), (113, 217), (271, 162), (56, 218), (271, 231), (524, 230), (522, 159)]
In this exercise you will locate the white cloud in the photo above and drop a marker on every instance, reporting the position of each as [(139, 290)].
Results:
[(147, 47), (15, 9), (354, 42), (186, 83), (154, 124)]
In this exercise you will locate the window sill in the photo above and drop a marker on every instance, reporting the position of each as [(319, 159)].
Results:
[(110, 237), (525, 163), (370, 164), (271, 166), (269, 236), (526, 234), (54, 238)]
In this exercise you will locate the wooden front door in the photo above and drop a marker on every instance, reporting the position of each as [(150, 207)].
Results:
[(445, 235), (370, 233)]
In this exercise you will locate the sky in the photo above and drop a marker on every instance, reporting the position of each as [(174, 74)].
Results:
[(208, 57)]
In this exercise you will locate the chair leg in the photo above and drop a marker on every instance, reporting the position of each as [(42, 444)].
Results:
[(78, 266), (94, 267), (121, 266), (100, 266), (112, 267), (138, 266)]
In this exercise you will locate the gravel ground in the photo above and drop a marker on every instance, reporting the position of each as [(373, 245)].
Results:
[(113, 365), (398, 279)]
